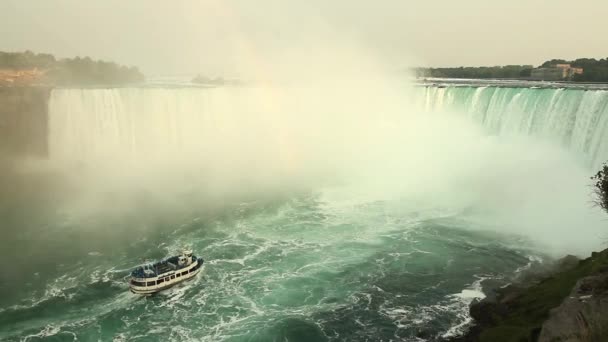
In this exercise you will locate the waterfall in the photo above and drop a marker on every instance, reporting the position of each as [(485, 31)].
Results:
[(147, 122), (574, 118), (138, 123)]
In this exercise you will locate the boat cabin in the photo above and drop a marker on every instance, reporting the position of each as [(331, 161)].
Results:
[(153, 277)]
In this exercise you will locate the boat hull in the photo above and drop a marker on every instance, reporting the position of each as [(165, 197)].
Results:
[(165, 281)]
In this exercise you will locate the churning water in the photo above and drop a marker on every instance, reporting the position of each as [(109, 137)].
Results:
[(322, 215)]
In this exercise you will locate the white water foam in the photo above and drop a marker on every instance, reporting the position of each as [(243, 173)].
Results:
[(461, 302)]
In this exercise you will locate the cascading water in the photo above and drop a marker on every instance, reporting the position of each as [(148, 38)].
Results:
[(574, 118), (350, 216), (94, 123)]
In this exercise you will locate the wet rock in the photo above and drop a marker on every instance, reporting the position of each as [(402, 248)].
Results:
[(572, 293), (583, 316), (487, 312), (568, 262)]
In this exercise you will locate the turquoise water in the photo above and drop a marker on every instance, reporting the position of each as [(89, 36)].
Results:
[(308, 267), (332, 226)]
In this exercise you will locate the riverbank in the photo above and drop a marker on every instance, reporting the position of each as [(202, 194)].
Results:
[(568, 304)]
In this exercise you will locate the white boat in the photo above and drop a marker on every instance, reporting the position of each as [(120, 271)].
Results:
[(150, 278)]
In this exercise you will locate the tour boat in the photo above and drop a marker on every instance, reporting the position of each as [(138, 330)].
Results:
[(150, 278)]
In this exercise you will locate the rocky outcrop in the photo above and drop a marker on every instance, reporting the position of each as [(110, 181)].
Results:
[(583, 316), (566, 302)]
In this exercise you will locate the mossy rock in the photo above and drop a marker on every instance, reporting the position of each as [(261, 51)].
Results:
[(505, 333), (529, 307)]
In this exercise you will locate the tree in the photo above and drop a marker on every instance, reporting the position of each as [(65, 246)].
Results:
[(525, 72), (601, 187), (71, 71), (553, 62)]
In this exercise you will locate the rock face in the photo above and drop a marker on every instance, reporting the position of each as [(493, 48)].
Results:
[(583, 316), (23, 121), (564, 303)]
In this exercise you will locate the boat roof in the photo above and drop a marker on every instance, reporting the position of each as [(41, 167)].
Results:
[(151, 270)]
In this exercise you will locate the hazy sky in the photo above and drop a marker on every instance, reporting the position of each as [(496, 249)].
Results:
[(215, 36)]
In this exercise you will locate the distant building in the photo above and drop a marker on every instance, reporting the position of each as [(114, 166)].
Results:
[(568, 70), (20, 77), (558, 72), (547, 74)]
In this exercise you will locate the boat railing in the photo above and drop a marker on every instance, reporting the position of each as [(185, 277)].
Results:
[(151, 270)]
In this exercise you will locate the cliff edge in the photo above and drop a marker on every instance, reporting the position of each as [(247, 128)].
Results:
[(570, 304)]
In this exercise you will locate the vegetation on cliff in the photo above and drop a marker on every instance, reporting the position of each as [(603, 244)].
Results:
[(594, 70), (601, 187), (70, 71), (518, 313), (508, 71)]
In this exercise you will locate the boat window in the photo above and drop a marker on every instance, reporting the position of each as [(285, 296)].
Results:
[(151, 283), (167, 279), (160, 281), (185, 272), (137, 283), (173, 276)]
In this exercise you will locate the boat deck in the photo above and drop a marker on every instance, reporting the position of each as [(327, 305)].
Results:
[(166, 266), (158, 268)]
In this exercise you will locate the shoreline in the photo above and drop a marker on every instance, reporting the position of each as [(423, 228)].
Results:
[(565, 302)]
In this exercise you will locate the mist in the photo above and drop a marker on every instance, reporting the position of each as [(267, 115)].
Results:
[(326, 116), (323, 193)]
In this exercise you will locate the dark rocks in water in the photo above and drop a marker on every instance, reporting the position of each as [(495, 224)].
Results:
[(208, 80), (565, 302), (487, 312), (538, 271), (217, 81)]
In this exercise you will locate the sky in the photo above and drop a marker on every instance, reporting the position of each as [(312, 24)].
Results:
[(217, 37)]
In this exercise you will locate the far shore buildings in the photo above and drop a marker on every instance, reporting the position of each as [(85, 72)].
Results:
[(9, 77), (558, 72)]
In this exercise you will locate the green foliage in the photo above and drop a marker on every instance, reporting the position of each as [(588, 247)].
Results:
[(71, 71), (526, 72), (507, 71), (601, 187), (593, 70), (553, 62), (505, 333), (528, 311), (25, 60)]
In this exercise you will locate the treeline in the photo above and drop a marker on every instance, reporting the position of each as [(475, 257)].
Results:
[(71, 71), (594, 70), (508, 71)]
